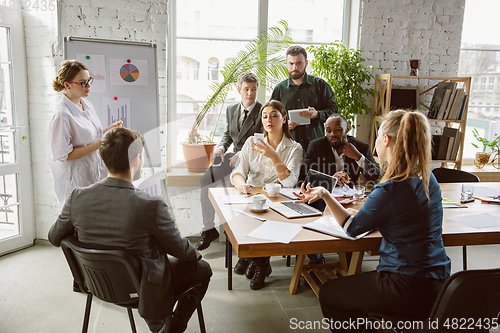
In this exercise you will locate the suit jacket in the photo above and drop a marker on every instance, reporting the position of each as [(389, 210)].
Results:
[(320, 157), (114, 213), (251, 125)]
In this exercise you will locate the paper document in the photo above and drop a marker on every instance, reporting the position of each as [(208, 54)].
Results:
[(328, 225), (296, 118), (238, 199), (248, 214), (484, 192), (479, 221), (288, 192), (280, 232)]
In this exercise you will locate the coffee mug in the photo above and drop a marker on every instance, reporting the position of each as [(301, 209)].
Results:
[(259, 201), (272, 189)]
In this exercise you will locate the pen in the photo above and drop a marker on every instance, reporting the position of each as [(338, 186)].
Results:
[(252, 194)]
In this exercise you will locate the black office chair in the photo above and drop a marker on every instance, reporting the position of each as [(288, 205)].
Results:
[(112, 275), (445, 175), (467, 298)]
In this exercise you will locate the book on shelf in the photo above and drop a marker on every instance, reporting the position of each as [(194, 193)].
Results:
[(439, 147), (448, 105), (457, 103), (461, 112), (454, 142), (444, 104), (438, 98)]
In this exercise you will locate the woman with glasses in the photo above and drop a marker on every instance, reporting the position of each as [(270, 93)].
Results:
[(74, 132)]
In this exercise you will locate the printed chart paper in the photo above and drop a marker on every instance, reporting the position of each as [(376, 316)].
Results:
[(113, 111), (96, 63), (125, 73)]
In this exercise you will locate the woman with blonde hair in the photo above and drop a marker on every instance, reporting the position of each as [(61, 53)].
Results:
[(75, 132), (276, 159), (406, 208)]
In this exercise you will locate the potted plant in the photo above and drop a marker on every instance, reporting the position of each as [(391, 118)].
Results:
[(261, 56), (343, 70), (484, 157)]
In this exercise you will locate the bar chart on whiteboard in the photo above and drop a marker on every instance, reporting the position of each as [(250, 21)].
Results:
[(116, 109)]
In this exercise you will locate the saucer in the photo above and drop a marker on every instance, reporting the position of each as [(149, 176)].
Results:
[(259, 210)]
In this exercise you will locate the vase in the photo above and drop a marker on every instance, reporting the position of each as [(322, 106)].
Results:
[(197, 157), (481, 160)]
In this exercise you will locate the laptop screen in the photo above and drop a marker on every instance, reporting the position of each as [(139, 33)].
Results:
[(317, 178)]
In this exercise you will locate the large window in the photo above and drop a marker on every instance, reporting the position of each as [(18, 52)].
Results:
[(210, 32), (480, 59)]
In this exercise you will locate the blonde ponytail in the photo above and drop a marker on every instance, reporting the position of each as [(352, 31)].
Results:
[(411, 153)]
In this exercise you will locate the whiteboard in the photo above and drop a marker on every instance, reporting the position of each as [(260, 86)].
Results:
[(125, 85)]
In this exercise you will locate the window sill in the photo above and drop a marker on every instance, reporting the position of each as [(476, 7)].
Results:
[(487, 174), (181, 177)]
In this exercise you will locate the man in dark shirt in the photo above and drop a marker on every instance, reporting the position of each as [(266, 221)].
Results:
[(304, 91), (341, 155)]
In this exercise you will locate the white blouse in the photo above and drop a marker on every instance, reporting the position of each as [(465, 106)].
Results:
[(71, 128), (258, 170)]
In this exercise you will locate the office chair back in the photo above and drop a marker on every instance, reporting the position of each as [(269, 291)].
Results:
[(112, 275), (445, 175), (472, 295)]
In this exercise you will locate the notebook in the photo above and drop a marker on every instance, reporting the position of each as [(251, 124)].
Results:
[(292, 210)]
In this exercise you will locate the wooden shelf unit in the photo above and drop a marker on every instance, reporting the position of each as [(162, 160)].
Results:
[(382, 101)]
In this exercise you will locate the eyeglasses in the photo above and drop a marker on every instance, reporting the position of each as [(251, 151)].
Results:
[(84, 84)]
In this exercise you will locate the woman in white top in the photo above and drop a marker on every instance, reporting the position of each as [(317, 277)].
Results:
[(74, 132), (276, 159)]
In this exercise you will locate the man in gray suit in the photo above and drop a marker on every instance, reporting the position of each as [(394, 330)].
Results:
[(114, 213), (243, 120)]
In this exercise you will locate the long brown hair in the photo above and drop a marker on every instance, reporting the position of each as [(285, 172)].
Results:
[(67, 72), (411, 153), (281, 108)]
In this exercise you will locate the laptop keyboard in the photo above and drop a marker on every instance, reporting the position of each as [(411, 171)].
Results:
[(300, 208)]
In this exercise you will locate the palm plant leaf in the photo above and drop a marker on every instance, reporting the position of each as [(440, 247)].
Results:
[(258, 56)]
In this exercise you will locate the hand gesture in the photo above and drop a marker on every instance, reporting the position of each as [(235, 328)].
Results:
[(217, 152), (309, 194), (292, 125), (264, 149), (243, 188), (311, 113), (342, 178), (350, 151)]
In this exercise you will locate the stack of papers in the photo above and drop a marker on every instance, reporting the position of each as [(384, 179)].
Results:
[(280, 232)]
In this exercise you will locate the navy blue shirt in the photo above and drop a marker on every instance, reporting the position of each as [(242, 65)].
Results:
[(411, 227)]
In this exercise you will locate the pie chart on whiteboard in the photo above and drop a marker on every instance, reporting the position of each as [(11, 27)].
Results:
[(129, 73)]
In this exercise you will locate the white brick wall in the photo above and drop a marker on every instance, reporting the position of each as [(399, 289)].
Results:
[(392, 32)]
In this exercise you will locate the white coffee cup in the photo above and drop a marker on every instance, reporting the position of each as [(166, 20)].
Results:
[(258, 201), (272, 189)]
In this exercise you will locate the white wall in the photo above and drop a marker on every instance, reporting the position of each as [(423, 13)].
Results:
[(392, 32)]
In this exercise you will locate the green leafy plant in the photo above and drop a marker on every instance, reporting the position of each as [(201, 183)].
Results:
[(486, 143), (343, 70), (260, 56)]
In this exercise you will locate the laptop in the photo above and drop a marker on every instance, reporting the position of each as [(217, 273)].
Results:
[(292, 210)]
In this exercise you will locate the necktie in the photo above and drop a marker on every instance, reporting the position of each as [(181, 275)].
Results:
[(244, 118)]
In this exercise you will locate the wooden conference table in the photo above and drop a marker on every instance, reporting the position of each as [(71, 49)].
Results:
[(238, 226)]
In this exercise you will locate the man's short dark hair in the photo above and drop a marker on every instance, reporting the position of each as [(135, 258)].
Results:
[(339, 115), (247, 77), (296, 50), (119, 146)]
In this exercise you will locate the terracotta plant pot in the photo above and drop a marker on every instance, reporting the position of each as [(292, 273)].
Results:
[(197, 157), (481, 160)]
